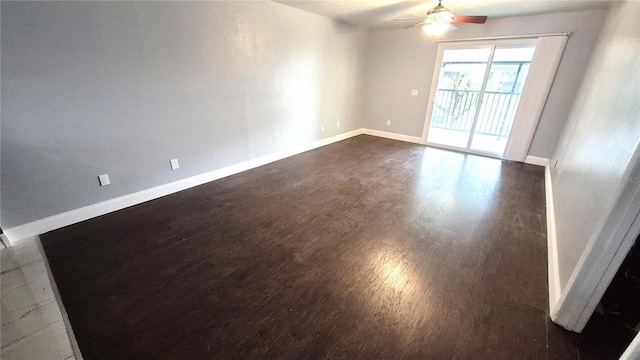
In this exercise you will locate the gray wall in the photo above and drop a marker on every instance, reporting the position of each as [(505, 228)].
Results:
[(123, 87), (601, 141), (400, 60)]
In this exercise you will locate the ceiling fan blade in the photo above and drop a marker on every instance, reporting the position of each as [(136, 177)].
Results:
[(470, 19), (408, 19), (417, 24)]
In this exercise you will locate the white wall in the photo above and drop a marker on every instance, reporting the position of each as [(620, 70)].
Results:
[(400, 60), (600, 143), (123, 87)]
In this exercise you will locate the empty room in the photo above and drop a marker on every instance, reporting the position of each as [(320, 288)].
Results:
[(375, 179)]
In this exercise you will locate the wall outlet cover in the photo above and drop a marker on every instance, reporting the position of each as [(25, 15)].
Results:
[(104, 179)]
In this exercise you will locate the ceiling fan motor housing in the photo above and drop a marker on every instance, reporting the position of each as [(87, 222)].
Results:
[(439, 14)]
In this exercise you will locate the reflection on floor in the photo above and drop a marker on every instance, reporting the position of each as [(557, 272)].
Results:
[(364, 249), (32, 325)]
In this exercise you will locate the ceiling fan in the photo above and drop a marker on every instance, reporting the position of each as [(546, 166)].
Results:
[(439, 20)]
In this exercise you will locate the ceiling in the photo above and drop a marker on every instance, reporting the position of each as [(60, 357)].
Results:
[(379, 14)]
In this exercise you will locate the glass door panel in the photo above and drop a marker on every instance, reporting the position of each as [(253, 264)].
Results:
[(455, 101), (508, 72)]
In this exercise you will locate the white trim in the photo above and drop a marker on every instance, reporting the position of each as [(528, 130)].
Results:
[(394, 136), (552, 243), (633, 351), (465, 151), (503, 37), (87, 212), (535, 160), (432, 93), (5, 241), (602, 257), (41, 226), (628, 235)]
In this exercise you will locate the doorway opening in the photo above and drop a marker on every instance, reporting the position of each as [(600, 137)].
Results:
[(616, 320)]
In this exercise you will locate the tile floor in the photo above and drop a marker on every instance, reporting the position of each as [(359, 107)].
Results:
[(32, 322)]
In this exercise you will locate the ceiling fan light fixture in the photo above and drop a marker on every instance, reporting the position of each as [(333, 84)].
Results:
[(436, 28), (440, 20), (444, 16)]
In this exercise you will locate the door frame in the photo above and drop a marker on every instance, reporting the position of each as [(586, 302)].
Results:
[(487, 44), (602, 257)]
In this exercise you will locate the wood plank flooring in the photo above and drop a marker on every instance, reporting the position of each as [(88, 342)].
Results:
[(364, 249)]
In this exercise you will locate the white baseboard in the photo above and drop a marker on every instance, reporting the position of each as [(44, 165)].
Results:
[(552, 244), (394, 136), (50, 223), (57, 221), (5, 241), (534, 160)]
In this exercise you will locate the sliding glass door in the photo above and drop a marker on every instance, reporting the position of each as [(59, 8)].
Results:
[(477, 95)]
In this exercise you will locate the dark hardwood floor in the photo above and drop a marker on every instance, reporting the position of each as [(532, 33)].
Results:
[(365, 249)]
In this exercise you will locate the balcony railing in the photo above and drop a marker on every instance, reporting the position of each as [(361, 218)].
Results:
[(455, 110)]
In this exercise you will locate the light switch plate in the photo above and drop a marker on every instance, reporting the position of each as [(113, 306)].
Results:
[(174, 164), (414, 92)]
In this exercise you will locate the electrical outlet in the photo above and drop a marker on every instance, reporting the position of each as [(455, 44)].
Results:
[(338, 124), (174, 164), (388, 122), (322, 128), (104, 179), (414, 92)]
